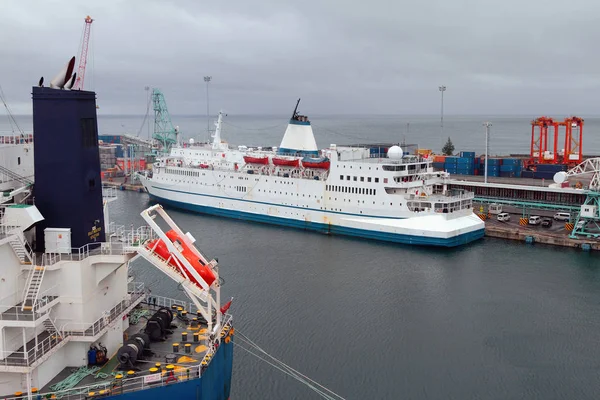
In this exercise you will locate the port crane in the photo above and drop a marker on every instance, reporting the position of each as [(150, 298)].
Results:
[(545, 128), (164, 132), (589, 212), (84, 51)]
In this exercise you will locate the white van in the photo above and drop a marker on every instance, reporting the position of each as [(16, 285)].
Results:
[(535, 220), (503, 217), (562, 216)]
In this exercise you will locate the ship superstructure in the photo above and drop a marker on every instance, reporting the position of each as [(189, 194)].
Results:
[(73, 322), (372, 191)]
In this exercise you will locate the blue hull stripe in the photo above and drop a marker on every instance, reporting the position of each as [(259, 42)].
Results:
[(215, 383), (326, 228)]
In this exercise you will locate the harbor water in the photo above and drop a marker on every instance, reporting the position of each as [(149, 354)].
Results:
[(492, 320)]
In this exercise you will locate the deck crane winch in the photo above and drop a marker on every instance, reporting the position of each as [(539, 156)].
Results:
[(589, 212), (84, 51)]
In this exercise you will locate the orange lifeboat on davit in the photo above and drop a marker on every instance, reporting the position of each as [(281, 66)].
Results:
[(199, 265)]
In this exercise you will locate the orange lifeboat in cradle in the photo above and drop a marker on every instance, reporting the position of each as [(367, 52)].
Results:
[(322, 162), (286, 162), (256, 160), (201, 267)]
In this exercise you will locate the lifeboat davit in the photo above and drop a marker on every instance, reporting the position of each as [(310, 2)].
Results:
[(256, 160), (199, 265), (321, 162), (286, 162)]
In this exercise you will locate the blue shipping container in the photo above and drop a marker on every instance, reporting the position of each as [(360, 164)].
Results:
[(464, 160), (551, 167), (438, 165), (467, 154), (512, 161), (451, 160), (510, 168)]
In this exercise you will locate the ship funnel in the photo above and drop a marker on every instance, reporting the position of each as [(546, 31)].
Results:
[(63, 76), (299, 139)]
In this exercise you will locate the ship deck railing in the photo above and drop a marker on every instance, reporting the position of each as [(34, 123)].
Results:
[(94, 328), (47, 341), (139, 381)]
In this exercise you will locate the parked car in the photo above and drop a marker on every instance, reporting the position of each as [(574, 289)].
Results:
[(535, 220), (562, 216), (547, 222), (581, 224), (503, 217)]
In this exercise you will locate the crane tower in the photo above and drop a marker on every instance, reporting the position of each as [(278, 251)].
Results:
[(84, 50)]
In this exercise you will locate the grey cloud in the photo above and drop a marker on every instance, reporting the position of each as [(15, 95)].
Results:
[(380, 56)]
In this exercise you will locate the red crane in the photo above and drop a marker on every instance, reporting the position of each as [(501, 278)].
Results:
[(84, 50)]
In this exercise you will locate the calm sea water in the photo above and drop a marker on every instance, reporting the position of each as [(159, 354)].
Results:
[(492, 320), (508, 134)]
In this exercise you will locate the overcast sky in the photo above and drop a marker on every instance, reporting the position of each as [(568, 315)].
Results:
[(377, 56)]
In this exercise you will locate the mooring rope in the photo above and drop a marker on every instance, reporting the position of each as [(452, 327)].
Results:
[(286, 369)]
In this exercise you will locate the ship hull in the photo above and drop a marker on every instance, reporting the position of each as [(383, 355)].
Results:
[(215, 383), (423, 231)]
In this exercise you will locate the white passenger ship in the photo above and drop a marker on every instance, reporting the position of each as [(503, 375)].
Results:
[(361, 190)]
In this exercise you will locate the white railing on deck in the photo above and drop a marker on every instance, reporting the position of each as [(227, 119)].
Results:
[(141, 381), (26, 358), (94, 328)]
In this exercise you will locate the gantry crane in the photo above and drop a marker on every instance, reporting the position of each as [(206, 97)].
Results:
[(542, 128), (589, 212), (83, 57)]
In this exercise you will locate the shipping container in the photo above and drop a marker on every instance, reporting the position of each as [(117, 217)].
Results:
[(550, 167), (451, 160), (438, 165), (464, 160), (544, 175), (439, 159), (467, 154), (512, 161)]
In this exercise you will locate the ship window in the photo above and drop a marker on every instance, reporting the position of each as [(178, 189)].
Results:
[(341, 177), (362, 178), (369, 178), (354, 179), (18, 160), (376, 180), (347, 177)]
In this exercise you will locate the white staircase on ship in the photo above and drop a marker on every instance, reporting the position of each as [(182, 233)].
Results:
[(22, 251), (51, 328), (32, 287)]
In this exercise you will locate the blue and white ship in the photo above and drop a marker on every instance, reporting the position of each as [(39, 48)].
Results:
[(73, 323), (368, 191)]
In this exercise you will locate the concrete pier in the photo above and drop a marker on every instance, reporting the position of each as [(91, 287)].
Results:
[(545, 237)]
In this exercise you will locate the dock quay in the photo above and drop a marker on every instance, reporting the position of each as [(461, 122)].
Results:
[(531, 236), (122, 184)]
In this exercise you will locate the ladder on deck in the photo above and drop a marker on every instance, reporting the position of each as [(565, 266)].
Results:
[(32, 287), (22, 250), (51, 327)]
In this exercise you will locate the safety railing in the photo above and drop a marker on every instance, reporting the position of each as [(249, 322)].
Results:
[(167, 302), (94, 328), (109, 192), (27, 358), (139, 381)]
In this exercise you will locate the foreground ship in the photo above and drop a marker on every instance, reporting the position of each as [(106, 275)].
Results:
[(73, 323), (352, 190)]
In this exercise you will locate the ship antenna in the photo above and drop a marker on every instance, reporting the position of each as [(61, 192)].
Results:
[(296, 110)]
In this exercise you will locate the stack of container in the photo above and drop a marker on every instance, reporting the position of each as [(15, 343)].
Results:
[(547, 171), (493, 165), (138, 164), (107, 157), (438, 162), (511, 167)]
